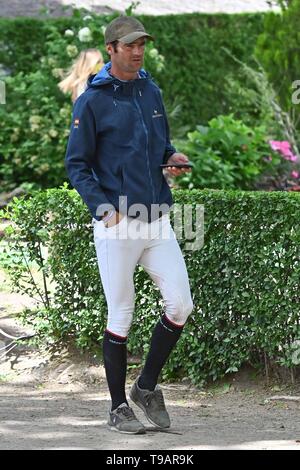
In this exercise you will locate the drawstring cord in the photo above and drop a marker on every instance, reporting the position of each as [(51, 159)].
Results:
[(115, 93)]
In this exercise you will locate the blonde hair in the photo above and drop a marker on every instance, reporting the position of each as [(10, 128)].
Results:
[(80, 71)]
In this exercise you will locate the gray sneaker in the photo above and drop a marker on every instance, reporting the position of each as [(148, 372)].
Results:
[(152, 403), (123, 419)]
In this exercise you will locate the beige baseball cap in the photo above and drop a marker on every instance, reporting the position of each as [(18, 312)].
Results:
[(125, 29)]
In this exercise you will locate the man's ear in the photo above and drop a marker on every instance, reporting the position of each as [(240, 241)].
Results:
[(109, 49)]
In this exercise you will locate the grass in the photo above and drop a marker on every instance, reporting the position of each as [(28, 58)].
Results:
[(6, 377), (5, 285)]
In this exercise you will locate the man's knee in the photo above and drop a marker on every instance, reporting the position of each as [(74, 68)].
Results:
[(120, 325), (180, 311), (187, 310)]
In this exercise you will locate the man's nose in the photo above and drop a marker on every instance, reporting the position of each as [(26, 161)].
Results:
[(138, 50)]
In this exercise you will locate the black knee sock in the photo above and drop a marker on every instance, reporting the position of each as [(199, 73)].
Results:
[(164, 338), (115, 363)]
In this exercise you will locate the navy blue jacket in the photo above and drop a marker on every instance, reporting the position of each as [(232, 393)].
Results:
[(119, 137)]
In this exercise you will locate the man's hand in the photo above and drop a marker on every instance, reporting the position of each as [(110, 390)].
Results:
[(115, 219), (178, 158)]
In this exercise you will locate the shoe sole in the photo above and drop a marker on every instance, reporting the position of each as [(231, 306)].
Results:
[(140, 431), (146, 414)]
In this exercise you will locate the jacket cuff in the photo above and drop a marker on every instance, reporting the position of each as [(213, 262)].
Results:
[(168, 154)]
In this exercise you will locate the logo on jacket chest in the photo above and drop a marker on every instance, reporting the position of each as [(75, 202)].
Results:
[(156, 114)]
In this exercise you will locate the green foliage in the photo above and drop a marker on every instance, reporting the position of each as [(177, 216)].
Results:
[(34, 124), (22, 44), (34, 128), (36, 53), (278, 51), (244, 280), (226, 155), (252, 96), (47, 238), (196, 65)]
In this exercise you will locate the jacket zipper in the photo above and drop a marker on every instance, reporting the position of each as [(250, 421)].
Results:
[(147, 143), (122, 180)]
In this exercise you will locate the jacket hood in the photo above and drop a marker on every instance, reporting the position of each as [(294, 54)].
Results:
[(103, 77)]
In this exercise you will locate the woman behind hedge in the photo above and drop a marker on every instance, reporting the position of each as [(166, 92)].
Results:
[(89, 62)]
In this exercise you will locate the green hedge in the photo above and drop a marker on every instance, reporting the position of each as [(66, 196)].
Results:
[(244, 281), (196, 62), (192, 45), (23, 40)]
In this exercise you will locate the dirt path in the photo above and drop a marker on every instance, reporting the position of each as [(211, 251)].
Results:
[(60, 400), (73, 416)]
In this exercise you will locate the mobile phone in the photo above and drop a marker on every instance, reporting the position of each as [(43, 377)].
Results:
[(177, 165)]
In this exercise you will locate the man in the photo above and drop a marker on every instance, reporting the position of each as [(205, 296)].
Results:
[(119, 138)]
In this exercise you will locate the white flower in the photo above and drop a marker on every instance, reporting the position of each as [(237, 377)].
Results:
[(87, 17), (72, 51), (44, 168), (34, 122), (69, 32), (14, 137), (51, 61), (53, 133), (85, 35), (57, 73), (103, 29), (153, 53), (65, 113)]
